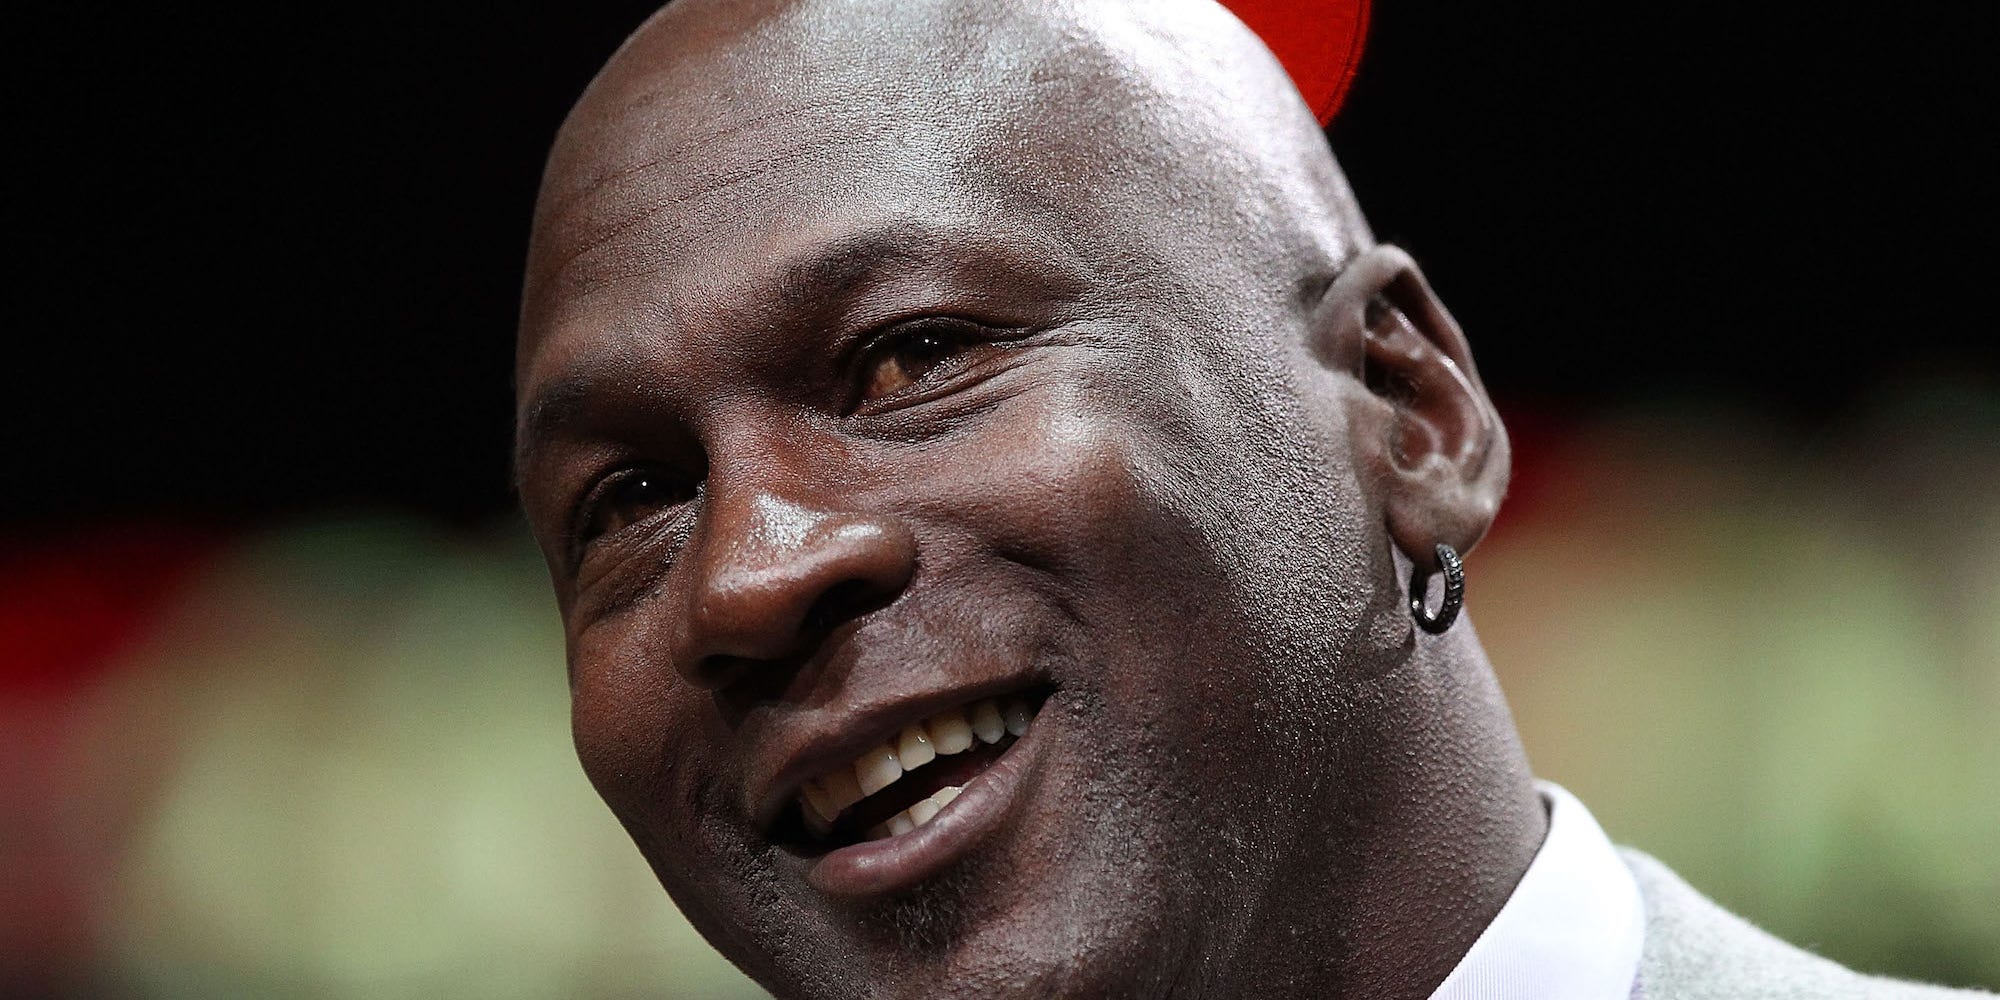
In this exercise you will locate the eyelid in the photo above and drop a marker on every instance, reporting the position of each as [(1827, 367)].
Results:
[(976, 334), (583, 507), (870, 345), (595, 495)]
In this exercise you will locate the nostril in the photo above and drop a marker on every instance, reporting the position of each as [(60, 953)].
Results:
[(740, 683), (722, 670), (839, 603), (744, 681), (762, 602)]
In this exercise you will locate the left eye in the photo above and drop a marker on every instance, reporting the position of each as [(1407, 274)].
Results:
[(629, 499), (908, 357)]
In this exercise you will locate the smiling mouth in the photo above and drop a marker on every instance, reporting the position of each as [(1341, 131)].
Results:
[(905, 782)]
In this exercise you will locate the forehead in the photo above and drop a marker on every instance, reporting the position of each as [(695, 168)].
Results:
[(727, 136)]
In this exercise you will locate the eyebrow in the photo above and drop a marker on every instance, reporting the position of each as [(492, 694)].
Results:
[(552, 410), (811, 284), (833, 272)]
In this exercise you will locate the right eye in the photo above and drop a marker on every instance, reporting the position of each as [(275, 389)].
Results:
[(628, 498)]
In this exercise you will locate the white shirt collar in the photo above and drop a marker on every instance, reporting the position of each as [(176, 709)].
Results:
[(1573, 928)]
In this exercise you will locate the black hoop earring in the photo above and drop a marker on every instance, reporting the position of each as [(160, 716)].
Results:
[(1454, 592)]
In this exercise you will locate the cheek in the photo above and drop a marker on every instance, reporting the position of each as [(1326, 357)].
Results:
[(651, 747), (1126, 515), (1215, 561), (1070, 491), (1164, 507), (659, 757), (635, 726)]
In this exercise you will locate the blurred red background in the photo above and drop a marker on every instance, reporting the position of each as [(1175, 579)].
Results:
[(281, 696)]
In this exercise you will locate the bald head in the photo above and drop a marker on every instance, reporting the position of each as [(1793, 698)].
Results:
[(976, 447), (797, 112)]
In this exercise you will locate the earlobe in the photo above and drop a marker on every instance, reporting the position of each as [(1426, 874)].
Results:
[(1428, 432)]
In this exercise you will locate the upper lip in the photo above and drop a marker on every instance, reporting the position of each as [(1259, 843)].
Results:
[(816, 747)]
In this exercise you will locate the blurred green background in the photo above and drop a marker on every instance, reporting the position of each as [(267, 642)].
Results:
[(335, 763), (282, 709)]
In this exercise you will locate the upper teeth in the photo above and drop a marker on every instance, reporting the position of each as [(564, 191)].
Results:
[(945, 733)]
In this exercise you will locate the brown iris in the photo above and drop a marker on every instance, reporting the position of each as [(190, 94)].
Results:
[(632, 497), (907, 358)]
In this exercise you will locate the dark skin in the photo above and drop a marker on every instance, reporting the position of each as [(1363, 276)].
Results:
[(878, 357)]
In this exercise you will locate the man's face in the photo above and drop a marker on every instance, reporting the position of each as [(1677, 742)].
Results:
[(898, 370)]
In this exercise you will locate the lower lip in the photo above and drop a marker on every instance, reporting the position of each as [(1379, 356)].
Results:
[(876, 867)]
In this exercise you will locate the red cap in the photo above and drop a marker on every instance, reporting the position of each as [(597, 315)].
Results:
[(1318, 41)]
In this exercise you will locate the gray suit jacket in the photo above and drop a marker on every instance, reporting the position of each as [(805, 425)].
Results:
[(1695, 950)]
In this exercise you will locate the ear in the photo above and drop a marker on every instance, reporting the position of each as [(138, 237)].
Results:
[(1424, 431)]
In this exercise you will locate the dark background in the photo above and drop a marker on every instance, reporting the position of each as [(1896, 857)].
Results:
[(281, 704), (268, 257)]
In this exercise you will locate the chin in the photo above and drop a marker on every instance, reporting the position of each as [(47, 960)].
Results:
[(1065, 942), (1077, 908)]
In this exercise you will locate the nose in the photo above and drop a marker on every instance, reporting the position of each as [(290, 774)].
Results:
[(772, 578)]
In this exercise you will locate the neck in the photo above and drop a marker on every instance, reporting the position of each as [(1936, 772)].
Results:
[(1431, 821)]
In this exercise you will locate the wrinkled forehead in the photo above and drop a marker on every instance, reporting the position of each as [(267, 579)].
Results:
[(727, 133)]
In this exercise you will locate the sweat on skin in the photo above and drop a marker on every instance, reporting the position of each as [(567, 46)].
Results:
[(888, 364)]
